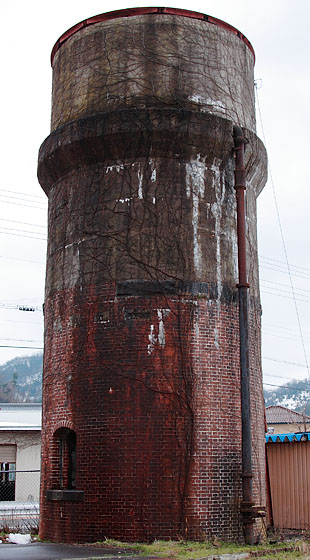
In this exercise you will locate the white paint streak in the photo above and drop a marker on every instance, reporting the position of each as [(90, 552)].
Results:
[(208, 102), (122, 200), (216, 338), (234, 243), (140, 181), (161, 338), (79, 241), (152, 339), (116, 167), (161, 328), (195, 187), (216, 209)]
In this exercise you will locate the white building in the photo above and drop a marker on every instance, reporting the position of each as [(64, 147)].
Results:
[(20, 451)]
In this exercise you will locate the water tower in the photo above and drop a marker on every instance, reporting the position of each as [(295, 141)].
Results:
[(141, 399)]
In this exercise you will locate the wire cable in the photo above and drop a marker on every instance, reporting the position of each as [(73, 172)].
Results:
[(284, 362), (20, 307), (21, 260), (263, 280), (285, 297), (24, 205), (23, 231), (23, 199), (23, 223), (26, 236), (24, 194), (283, 240), (282, 262), (282, 377), (21, 340), (24, 347), (285, 387)]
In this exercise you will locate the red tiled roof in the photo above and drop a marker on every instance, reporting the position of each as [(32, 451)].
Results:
[(277, 414)]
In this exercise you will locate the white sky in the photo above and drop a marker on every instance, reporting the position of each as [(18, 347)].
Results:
[(279, 33)]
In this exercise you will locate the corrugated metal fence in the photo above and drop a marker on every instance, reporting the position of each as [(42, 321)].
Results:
[(289, 472)]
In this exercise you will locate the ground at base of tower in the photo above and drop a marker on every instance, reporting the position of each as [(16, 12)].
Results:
[(53, 551)]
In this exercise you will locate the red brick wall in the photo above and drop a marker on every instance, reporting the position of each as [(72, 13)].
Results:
[(157, 417)]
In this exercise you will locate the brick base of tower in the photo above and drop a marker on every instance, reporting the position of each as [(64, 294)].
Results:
[(150, 386)]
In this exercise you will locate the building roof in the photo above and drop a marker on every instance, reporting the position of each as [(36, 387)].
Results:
[(277, 414), (285, 438), (20, 416)]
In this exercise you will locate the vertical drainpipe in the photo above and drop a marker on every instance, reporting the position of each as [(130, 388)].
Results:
[(243, 286)]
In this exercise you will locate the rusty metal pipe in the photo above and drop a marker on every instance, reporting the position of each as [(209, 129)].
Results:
[(243, 286)]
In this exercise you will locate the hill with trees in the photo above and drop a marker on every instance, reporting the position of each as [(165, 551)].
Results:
[(21, 379)]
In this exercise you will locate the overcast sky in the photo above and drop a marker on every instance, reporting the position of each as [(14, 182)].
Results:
[(278, 31)]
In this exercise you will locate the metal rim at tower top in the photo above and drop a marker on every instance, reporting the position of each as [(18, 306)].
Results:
[(130, 12)]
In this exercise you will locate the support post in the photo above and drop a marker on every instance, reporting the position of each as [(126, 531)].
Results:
[(243, 286)]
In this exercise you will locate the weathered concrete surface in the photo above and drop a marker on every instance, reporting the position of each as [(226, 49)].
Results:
[(118, 182), (154, 60)]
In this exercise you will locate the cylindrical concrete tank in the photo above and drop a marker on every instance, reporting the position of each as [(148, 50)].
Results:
[(141, 401)]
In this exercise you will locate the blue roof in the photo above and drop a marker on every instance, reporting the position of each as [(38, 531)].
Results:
[(284, 438)]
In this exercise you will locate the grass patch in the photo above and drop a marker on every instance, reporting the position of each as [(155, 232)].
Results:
[(187, 550)]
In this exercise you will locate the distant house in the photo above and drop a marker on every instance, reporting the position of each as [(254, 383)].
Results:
[(281, 420), (20, 450)]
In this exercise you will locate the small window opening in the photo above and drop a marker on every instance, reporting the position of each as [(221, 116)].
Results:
[(67, 458)]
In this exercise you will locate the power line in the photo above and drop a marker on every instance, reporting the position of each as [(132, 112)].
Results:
[(20, 322), (21, 260), (26, 236), (270, 325), (24, 347), (304, 276), (20, 340), (24, 194), (284, 362), (281, 266), (283, 242), (23, 231), (291, 333), (23, 223), (23, 199), (21, 298), (262, 280), (283, 336), (285, 297), (281, 377), (283, 262), (20, 307), (286, 292), (24, 205), (285, 387)]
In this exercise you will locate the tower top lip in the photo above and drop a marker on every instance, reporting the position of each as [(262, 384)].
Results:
[(130, 12)]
